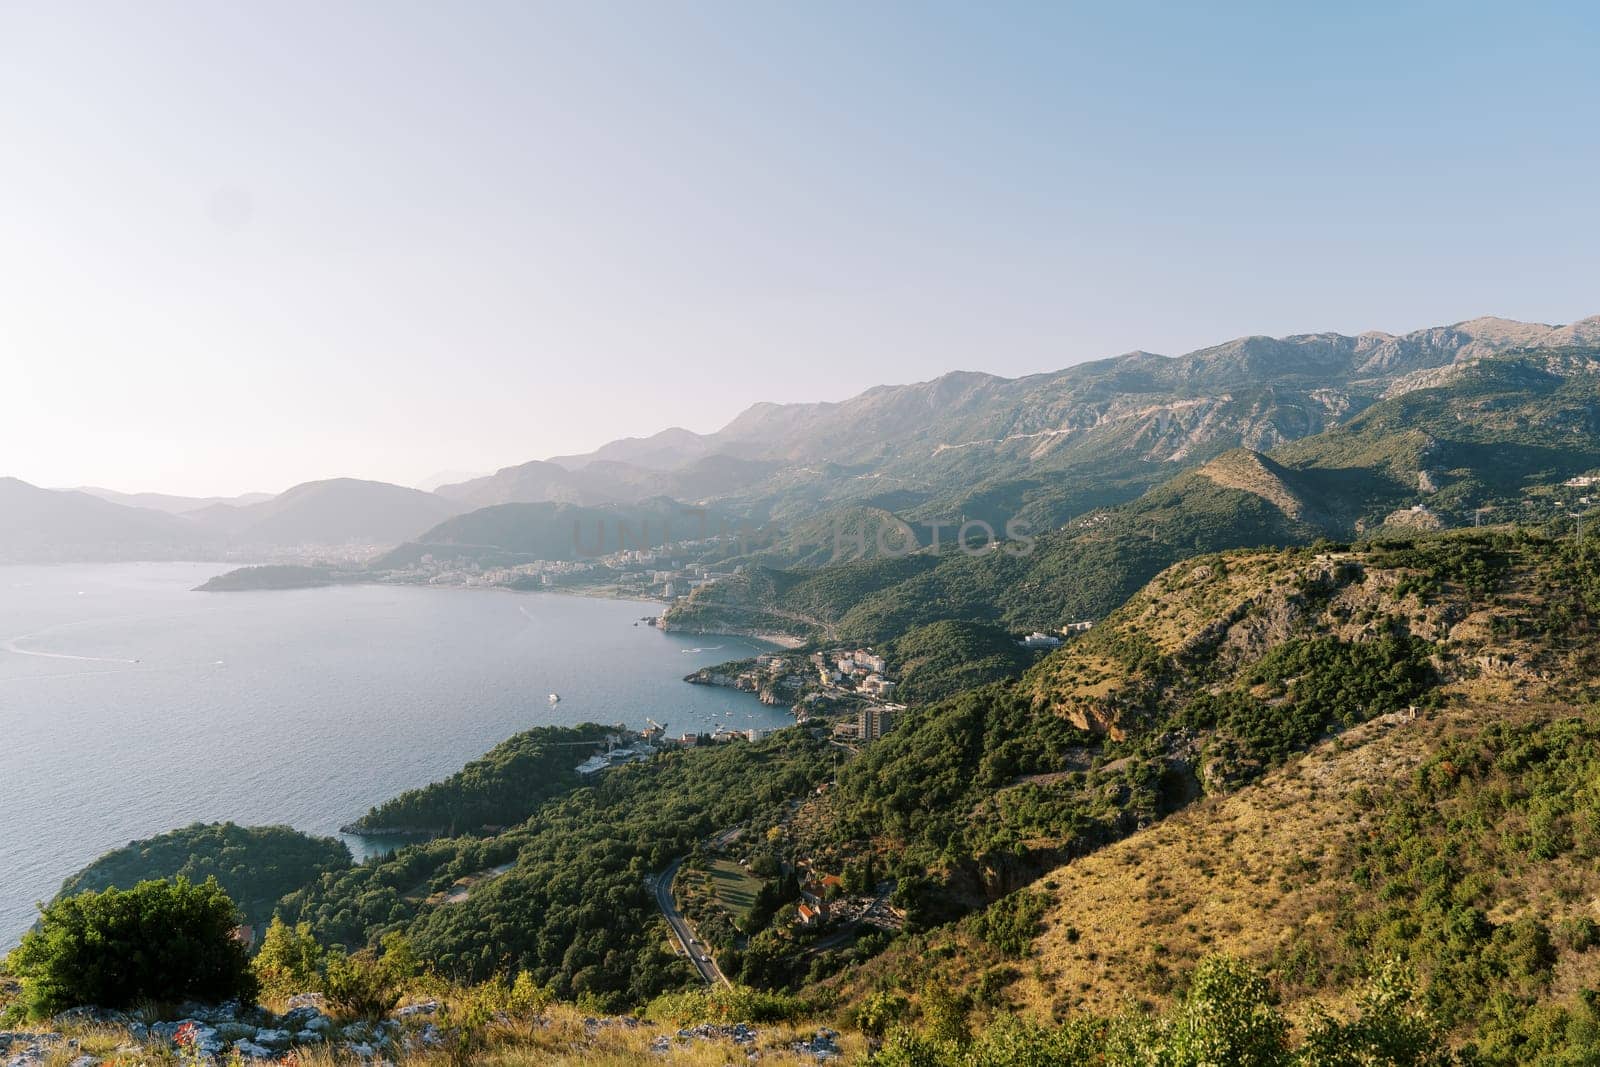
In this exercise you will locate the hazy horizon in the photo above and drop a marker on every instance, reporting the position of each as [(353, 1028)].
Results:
[(243, 248), (434, 479)]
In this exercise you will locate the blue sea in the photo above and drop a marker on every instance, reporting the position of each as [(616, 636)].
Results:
[(130, 704)]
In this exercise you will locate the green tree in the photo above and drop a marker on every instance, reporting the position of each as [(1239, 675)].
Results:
[(944, 1015), (1229, 1020), (879, 1011), (159, 940), (1390, 1028), (290, 960)]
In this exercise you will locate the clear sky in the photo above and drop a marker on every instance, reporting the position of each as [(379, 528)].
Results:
[(245, 245)]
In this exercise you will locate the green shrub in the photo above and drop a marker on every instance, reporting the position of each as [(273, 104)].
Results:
[(737, 1003), (1391, 1028), (358, 987), (1011, 923), (367, 985), (157, 941)]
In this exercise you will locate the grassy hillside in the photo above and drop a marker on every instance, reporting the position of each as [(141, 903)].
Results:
[(1462, 843)]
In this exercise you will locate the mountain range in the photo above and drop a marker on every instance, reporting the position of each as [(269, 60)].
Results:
[(342, 514), (1051, 448)]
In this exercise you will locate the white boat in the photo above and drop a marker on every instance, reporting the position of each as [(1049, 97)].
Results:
[(555, 698)]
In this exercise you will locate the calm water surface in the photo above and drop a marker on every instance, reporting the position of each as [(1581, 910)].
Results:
[(130, 705)]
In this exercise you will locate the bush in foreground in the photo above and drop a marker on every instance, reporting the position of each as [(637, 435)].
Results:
[(113, 949)]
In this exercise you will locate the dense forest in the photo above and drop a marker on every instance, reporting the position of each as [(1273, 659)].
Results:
[(254, 865), (944, 658), (498, 790), (571, 905)]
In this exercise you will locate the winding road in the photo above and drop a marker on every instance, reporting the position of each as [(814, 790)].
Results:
[(682, 930)]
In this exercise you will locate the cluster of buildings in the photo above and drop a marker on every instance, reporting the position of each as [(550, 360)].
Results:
[(779, 678), (626, 746), (543, 572), (623, 746), (1040, 639), (823, 901), (858, 669), (871, 723), (676, 580), (775, 678), (814, 894), (641, 571)]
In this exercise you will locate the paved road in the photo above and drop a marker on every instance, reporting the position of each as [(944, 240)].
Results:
[(681, 928)]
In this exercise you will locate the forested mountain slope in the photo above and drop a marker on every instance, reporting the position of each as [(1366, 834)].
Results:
[(1494, 444), (1443, 816)]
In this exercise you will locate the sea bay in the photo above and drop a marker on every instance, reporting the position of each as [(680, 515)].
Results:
[(130, 705)]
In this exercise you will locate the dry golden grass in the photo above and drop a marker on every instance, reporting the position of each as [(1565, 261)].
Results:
[(1257, 872), (102, 1042), (559, 1036), (1245, 874)]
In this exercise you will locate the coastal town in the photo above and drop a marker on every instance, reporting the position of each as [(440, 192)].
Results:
[(654, 574), (623, 746), (842, 696), (848, 689)]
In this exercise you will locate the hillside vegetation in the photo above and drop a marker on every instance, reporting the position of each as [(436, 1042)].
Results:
[(499, 789), (1328, 764), (1442, 815), (563, 894), (254, 865), (945, 658), (1497, 439)]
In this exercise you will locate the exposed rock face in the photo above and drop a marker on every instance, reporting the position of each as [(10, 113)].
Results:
[(29, 1050), (215, 1031), (1414, 518)]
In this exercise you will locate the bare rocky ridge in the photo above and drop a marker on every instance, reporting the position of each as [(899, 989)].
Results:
[(1252, 392)]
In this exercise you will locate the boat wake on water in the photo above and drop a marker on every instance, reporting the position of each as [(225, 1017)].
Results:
[(79, 674), (14, 646)]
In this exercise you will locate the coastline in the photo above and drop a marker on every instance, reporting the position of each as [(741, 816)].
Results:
[(333, 797), (786, 641)]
